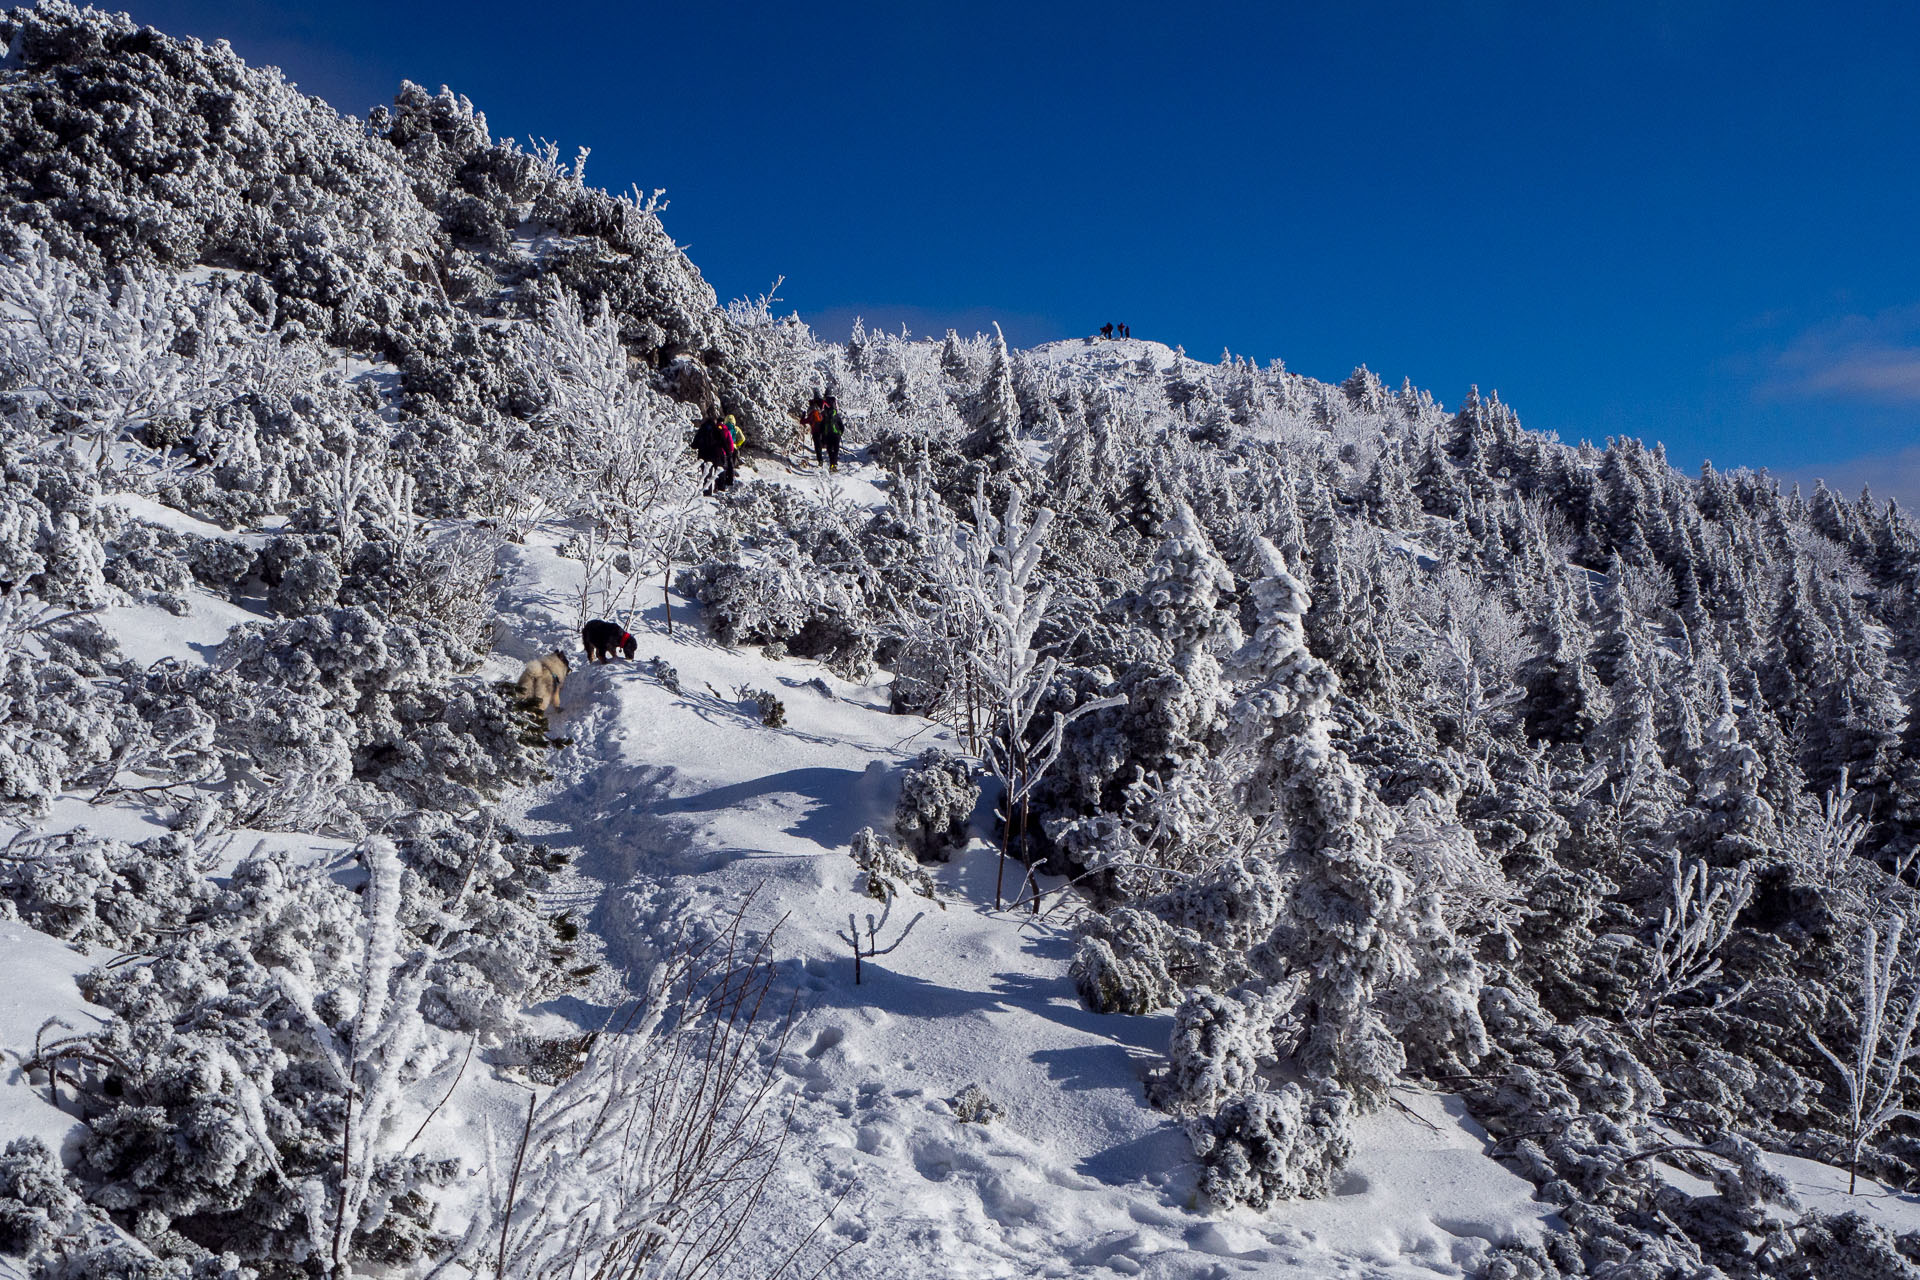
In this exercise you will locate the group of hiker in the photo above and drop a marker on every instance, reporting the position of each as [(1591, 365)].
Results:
[(718, 439), (1115, 331), (824, 426)]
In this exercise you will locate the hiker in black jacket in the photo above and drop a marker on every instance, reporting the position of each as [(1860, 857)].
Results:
[(714, 446), (826, 433)]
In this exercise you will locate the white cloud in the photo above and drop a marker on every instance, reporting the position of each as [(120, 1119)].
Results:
[(1887, 373), (1855, 357)]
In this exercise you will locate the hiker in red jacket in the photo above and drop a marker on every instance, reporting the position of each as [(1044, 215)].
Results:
[(812, 420)]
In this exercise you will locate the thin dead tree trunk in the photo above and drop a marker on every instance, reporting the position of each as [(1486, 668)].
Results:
[(666, 579), (1006, 835), (513, 1186), (1032, 884), (346, 1153)]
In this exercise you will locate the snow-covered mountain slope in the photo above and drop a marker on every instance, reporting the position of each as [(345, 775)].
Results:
[(1390, 770), (673, 803)]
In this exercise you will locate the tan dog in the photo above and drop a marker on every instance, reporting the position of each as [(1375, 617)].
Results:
[(542, 678)]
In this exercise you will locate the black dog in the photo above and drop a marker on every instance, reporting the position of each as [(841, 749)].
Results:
[(603, 639)]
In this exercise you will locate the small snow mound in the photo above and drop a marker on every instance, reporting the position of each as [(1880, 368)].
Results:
[(1104, 353)]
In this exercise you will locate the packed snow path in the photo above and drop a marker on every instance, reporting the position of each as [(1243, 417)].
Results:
[(671, 804)]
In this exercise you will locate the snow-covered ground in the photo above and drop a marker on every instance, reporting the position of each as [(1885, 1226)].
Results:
[(1824, 1187), (671, 804), (1108, 356), (39, 988), (682, 803)]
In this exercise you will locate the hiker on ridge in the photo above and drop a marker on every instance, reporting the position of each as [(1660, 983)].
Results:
[(813, 420), (826, 436), (717, 443), (732, 440)]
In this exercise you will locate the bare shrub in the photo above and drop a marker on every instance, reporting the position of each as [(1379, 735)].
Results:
[(651, 1159)]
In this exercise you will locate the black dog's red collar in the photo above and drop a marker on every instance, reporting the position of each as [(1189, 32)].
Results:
[(625, 636)]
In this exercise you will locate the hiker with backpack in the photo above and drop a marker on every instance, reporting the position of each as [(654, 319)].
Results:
[(732, 440), (706, 447), (717, 442), (826, 434), (816, 414)]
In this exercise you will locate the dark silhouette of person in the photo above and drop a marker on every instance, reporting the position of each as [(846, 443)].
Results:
[(717, 446), (831, 425), (1106, 331)]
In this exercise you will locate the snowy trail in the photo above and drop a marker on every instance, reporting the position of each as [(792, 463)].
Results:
[(683, 803)]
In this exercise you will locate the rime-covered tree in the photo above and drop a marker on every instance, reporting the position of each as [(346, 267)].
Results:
[(1349, 903)]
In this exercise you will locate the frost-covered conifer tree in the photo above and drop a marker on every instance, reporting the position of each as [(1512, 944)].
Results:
[(1181, 602), (996, 414), (1642, 793), (1563, 701), (1348, 904), (1388, 496), (1727, 817)]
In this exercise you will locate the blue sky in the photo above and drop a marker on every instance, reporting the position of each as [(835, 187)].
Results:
[(1692, 222)]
